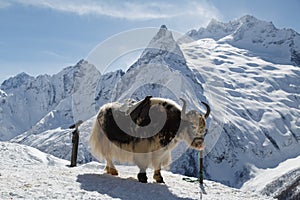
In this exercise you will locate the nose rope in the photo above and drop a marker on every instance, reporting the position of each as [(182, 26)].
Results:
[(200, 170)]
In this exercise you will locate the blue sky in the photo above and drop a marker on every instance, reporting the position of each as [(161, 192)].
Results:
[(44, 36)]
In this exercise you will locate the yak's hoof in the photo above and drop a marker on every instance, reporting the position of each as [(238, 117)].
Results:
[(142, 177), (111, 171), (158, 178)]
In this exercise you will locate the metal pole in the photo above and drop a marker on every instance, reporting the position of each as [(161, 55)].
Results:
[(200, 167)]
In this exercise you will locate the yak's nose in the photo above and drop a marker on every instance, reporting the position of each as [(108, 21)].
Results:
[(198, 143)]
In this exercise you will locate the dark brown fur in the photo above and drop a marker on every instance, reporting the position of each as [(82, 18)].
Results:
[(140, 116)]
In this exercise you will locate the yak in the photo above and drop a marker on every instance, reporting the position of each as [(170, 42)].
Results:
[(144, 133)]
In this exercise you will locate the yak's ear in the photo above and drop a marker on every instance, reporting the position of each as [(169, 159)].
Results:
[(201, 125), (202, 121)]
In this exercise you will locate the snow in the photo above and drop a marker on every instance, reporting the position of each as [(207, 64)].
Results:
[(2, 94), (27, 173), (254, 123), (261, 102)]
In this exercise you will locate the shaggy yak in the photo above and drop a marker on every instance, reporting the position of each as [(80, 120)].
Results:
[(145, 133)]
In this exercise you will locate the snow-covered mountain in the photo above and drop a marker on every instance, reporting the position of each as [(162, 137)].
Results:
[(28, 173), (46, 102), (281, 182), (58, 141), (255, 98), (262, 101), (262, 38)]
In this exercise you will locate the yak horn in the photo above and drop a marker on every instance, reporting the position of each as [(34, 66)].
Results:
[(207, 109), (183, 108)]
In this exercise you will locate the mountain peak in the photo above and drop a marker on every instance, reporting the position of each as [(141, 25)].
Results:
[(248, 18), (81, 62), (216, 26), (16, 81), (23, 76), (214, 22), (261, 37), (161, 49), (162, 37), (251, 21), (81, 67), (163, 26)]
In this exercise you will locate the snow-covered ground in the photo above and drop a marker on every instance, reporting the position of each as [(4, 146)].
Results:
[(27, 173)]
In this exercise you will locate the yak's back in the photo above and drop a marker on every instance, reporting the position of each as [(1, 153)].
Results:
[(123, 127)]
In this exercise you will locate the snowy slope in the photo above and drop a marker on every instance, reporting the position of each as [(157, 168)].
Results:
[(105, 87), (58, 141), (27, 173), (260, 37), (262, 101), (282, 182)]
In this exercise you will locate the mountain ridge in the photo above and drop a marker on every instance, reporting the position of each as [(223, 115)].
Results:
[(260, 37), (40, 95)]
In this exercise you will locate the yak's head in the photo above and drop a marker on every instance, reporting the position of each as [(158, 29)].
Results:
[(194, 126)]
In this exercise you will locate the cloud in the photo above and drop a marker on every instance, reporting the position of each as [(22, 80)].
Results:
[(129, 10), (4, 4)]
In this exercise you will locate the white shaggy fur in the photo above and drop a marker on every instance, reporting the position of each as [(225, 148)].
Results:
[(151, 154)]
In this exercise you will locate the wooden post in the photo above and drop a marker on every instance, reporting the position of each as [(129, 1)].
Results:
[(201, 167), (75, 142)]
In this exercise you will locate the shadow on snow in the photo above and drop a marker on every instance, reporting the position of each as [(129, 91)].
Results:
[(125, 189)]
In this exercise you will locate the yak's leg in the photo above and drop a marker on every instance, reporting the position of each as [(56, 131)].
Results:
[(142, 176), (156, 162), (142, 163), (110, 168), (157, 176)]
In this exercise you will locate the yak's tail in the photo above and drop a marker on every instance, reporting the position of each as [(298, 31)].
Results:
[(103, 148), (96, 140)]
